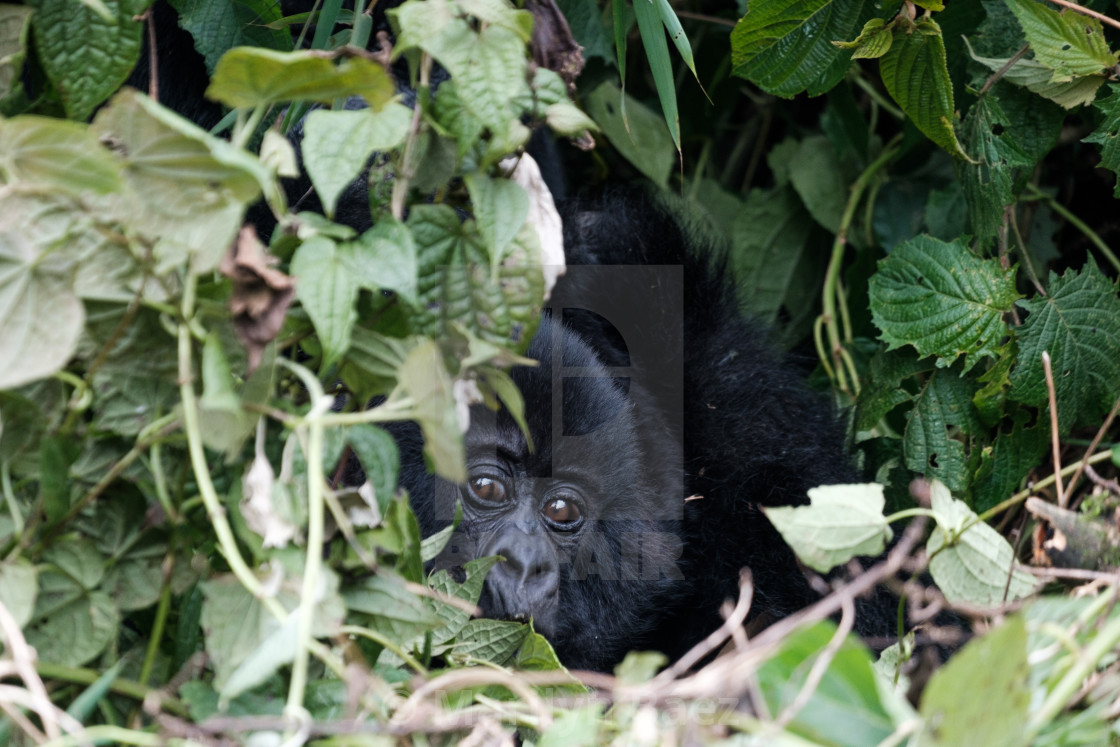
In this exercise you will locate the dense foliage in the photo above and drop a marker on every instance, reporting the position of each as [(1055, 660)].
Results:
[(922, 193)]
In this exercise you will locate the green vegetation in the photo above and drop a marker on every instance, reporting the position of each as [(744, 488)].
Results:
[(922, 192)]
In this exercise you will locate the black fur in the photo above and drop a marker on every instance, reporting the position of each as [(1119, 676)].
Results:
[(687, 401)]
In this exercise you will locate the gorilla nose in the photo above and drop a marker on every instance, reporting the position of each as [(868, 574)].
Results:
[(526, 584)]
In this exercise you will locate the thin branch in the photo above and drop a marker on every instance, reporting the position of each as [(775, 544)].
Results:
[(1054, 429), (1086, 12), (1093, 445)]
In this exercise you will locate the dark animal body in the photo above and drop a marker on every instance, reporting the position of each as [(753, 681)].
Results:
[(661, 420)]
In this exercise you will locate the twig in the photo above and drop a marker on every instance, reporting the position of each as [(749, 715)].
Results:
[(1086, 12), (706, 19), (715, 639), (994, 77), (1094, 443), (1078, 574), (820, 666), (1054, 429)]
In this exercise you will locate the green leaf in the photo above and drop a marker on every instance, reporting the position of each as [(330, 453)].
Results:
[(493, 641), (785, 46), (974, 566), (1107, 134), (380, 458), (75, 632), (56, 454), (328, 290), (840, 522), (251, 76), (1078, 323), (500, 208), (845, 708), (816, 175), (86, 56), (873, 42), (941, 299), (1038, 78), (500, 13), (337, 145), (640, 666), (15, 21), (424, 379), (578, 727), (457, 285), (40, 315), (219, 25), (942, 407), (1006, 132), (18, 589), (657, 52), (770, 242), (915, 75), (393, 610), (186, 188), (225, 425), (636, 132), (57, 154), (469, 590), (1010, 458), (567, 119), (994, 664), (1071, 44)]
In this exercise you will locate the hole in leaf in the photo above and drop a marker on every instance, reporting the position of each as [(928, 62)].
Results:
[(933, 461), (997, 129)]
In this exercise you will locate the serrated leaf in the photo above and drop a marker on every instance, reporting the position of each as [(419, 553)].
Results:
[(1038, 78), (337, 145), (57, 154), (942, 407), (328, 290), (493, 641), (251, 76), (1071, 44), (915, 75), (1078, 324), (86, 55), (469, 590), (873, 42), (1010, 458), (1107, 134), (219, 25), (941, 299), (840, 522), (41, 317), (994, 664), (975, 568), (785, 47), (457, 285)]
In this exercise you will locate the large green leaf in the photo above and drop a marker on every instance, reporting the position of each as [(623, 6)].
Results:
[(251, 76), (657, 52), (994, 664), (942, 299), (86, 55), (1078, 324), (15, 21), (639, 135), (1071, 44), (915, 76), (785, 46), (328, 290), (942, 407), (1107, 134), (219, 25), (337, 145)]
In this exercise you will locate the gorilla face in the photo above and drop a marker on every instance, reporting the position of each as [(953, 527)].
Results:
[(586, 517)]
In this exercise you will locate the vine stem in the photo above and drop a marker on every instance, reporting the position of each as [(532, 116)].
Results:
[(1087, 12), (1022, 495), (1037, 194), (214, 509), (845, 367)]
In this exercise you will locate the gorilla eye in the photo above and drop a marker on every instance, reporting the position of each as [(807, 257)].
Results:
[(486, 490), (562, 513)]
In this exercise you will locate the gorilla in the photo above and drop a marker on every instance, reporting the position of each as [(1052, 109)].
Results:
[(660, 421)]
